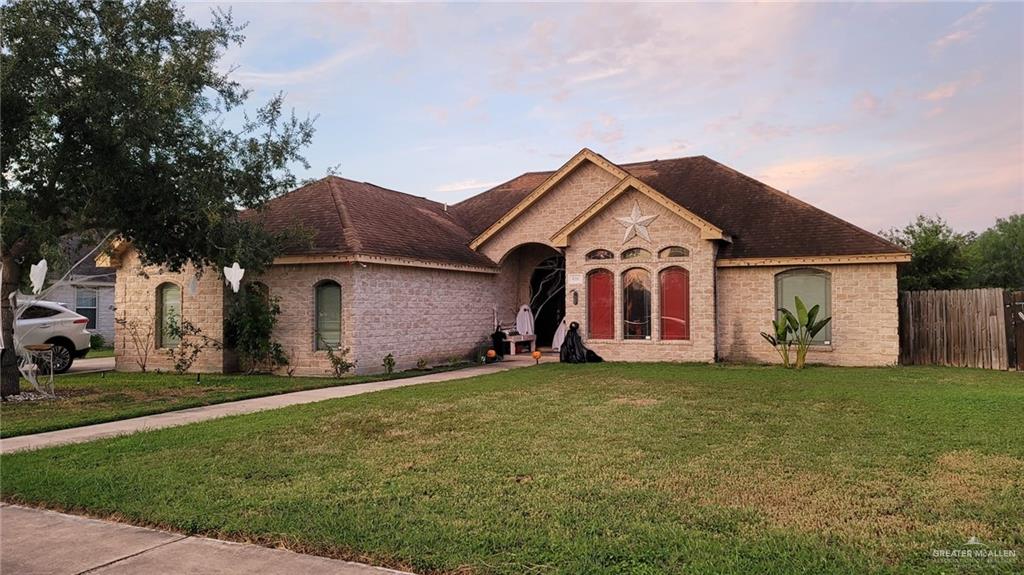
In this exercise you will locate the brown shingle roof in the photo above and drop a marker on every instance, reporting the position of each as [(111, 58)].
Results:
[(358, 218), (763, 222)]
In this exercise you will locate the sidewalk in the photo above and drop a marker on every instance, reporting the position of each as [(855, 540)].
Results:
[(185, 416), (37, 542)]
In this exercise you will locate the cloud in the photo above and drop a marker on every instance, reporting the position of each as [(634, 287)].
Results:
[(465, 186), (868, 103), (964, 28), (305, 74), (667, 151), (804, 173), (607, 130), (950, 89)]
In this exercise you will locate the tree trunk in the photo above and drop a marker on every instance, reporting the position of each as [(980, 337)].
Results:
[(10, 378)]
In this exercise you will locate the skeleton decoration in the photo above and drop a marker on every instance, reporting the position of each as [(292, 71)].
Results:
[(233, 276), (551, 285), (37, 274), (636, 224)]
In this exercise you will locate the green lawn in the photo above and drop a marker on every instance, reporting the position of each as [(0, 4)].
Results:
[(611, 468), (100, 352), (99, 397)]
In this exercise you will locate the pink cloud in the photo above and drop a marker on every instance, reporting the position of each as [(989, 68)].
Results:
[(964, 28)]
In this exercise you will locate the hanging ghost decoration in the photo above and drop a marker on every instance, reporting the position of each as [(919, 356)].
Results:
[(37, 274), (233, 276), (193, 285)]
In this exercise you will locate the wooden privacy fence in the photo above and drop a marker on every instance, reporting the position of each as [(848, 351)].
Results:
[(966, 328)]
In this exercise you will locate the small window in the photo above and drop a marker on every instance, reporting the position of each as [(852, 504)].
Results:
[(600, 255), (813, 287), (674, 252), (635, 254), (85, 304), (38, 312), (636, 304), (328, 316), (168, 315)]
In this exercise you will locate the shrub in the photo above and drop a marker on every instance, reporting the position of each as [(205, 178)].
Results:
[(250, 327), (389, 364), (796, 329), (191, 342), (96, 341), (339, 361)]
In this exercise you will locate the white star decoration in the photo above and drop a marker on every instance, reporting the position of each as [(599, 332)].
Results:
[(636, 224)]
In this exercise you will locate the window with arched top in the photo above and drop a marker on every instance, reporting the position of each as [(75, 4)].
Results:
[(327, 306), (168, 315), (673, 252), (813, 287), (674, 289), (600, 255), (636, 304), (600, 304), (635, 254)]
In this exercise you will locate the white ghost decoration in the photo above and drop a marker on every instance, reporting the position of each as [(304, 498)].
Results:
[(193, 285), (233, 276), (38, 276)]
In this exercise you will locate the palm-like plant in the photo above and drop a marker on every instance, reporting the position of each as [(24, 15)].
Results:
[(804, 326), (780, 339), (795, 329)]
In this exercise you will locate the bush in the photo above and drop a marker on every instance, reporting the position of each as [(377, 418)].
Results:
[(389, 364), (250, 327), (340, 365), (96, 341)]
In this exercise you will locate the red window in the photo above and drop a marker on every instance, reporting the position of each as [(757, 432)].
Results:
[(675, 303), (600, 304)]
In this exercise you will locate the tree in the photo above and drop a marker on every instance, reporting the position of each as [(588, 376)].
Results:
[(115, 118), (938, 255), (997, 255)]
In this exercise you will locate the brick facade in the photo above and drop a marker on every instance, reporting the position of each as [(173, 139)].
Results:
[(865, 318), (434, 314), (135, 294)]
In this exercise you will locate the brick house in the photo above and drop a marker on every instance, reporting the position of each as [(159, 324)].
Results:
[(665, 260)]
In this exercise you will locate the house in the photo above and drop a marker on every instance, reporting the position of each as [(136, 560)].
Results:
[(664, 260), (88, 290)]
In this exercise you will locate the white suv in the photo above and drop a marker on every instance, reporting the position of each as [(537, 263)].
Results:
[(48, 322)]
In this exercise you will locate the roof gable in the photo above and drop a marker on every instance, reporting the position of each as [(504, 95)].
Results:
[(584, 155), (708, 231)]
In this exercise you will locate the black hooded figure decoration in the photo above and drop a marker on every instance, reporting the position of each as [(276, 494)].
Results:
[(573, 350)]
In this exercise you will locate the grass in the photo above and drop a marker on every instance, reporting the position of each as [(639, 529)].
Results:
[(89, 398), (611, 468), (100, 352)]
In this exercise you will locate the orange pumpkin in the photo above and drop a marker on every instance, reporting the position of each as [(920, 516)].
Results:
[(536, 355), (491, 353)]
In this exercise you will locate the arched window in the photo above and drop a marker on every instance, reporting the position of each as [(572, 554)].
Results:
[(635, 253), (168, 315), (674, 252), (601, 304), (600, 255), (813, 287), (636, 304), (675, 303), (327, 330)]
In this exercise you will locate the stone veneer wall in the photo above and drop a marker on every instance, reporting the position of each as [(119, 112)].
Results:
[(604, 232), (135, 299), (865, 318)]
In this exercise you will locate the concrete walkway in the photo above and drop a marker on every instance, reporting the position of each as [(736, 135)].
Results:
[(37, 542), (186, 416)]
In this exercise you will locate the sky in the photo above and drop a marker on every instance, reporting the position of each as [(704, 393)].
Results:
[(874, 112)]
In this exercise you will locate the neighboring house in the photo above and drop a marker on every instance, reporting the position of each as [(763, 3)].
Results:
[(89, 290), (670, 260)]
